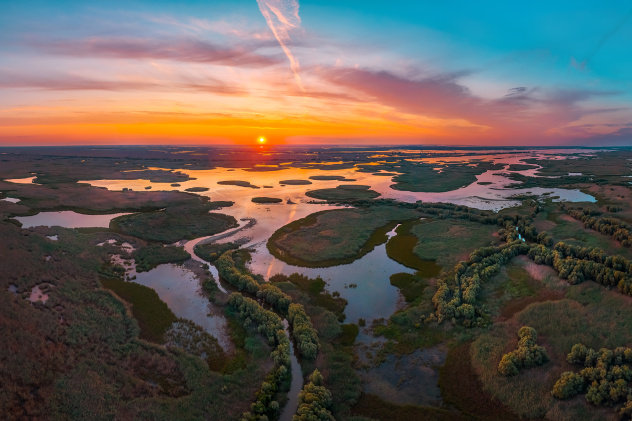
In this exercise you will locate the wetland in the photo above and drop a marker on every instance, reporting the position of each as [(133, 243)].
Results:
[(390, 272)]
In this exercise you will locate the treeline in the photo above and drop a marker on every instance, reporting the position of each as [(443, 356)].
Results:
[(605, 379), (613, 227), (268, 324), (577, 264), (527, 354), (304, 333), (229, 272), (458, 290), (314, 401)]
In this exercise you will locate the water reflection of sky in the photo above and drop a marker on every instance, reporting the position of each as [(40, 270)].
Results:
[(67, 219), (374, 296)]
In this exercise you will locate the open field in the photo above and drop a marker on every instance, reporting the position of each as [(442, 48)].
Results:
[(334, 237), (170, 225), (348, 192)]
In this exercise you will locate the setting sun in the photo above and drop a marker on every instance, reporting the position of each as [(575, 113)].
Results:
[(262, 140)]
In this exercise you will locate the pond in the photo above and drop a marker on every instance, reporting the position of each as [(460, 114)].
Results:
[(67, 219), (180, 289), (374, 297)]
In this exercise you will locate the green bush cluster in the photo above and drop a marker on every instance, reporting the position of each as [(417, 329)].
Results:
[(613, 227), (577, 264), (528, 353), (314, 401), (605, 378), (305, 335), (269, 325), (213, 251), (458, 290), (277, 298), (229, 272)]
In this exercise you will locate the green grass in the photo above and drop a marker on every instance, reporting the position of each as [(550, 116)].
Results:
[(153, 315), (175, 223), (572, 231), (264, 200), (590, 314), (410, 285), (335, 237), (406, 331), (400, 248), (448, 241), (315, 288), (420, 177), (344, 192), (349, 334), (150, 256)]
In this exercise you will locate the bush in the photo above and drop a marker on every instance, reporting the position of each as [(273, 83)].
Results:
[(314, 401), (605, 377), (528, 353)]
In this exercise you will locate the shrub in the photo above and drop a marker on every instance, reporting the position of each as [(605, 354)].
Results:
[(528, 353)]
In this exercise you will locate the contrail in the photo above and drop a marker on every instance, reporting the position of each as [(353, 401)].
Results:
[(601, 43), (282, 16)]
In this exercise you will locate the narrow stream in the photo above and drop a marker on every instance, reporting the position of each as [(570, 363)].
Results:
[(295, 386)]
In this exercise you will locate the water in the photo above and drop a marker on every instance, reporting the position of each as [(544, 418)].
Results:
[(180, 289), (67, 219), (374, 296), (37, 295), (26, 180), (295, 386)]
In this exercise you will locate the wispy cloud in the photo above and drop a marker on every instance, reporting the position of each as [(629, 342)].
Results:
[(69, 82), (282, 17), (184, 50)]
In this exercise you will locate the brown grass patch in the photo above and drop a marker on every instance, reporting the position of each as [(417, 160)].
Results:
[(461, 387)]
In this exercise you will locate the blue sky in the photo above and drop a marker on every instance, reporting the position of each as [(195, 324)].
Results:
[(452, 72)]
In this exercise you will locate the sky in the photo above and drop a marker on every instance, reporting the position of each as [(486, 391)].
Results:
[(343, 72)]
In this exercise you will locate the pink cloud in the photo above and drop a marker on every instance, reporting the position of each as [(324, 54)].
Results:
[(184, 50)]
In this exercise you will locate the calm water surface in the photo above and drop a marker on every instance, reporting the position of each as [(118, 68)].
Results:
[(374, 296), (67, 219)]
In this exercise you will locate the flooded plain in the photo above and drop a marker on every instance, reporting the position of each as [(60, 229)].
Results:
[(180, 289), (374, 296)]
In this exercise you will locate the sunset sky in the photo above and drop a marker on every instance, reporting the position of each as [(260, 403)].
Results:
[(316, 71)]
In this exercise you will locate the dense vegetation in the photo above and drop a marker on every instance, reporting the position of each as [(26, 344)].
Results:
[(613, 227), (85, 354), (176, 223), (314, 401), (605, 378), (153, 315), (270, 326), (458, 291), (304, 333), (527, 354), (152, 255)]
